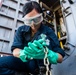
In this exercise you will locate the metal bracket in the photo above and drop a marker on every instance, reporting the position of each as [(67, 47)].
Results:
[(63, 1), (71, 2)]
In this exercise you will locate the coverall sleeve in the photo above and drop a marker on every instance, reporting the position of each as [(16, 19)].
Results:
[(55, 43), (18, 40)]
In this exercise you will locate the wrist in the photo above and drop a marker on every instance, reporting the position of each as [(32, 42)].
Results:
[(16, 52), (22, 56)]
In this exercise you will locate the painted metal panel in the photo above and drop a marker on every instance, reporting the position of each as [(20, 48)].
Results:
[(68, 66), (10, 20), (73, 7), (2, 32), (18, 24), (1, 44), (5, 47), (11, 12), (9, 3), (5, 21)]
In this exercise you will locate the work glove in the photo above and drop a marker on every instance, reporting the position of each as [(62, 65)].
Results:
[(23, 56), (52, 57), (32, 51), (36, 49)]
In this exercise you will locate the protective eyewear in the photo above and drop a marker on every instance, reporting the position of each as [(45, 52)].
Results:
[(30, 20)]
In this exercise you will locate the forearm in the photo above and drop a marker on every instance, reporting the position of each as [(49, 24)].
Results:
[(59, 58), (16, 52)]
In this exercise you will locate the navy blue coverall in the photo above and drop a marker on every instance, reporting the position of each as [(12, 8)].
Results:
[(10, 64)]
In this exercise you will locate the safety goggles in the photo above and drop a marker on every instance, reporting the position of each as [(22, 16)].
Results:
[(30, 20)]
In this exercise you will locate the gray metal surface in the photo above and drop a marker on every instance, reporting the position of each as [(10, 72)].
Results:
[(10, 20), (68, 66)]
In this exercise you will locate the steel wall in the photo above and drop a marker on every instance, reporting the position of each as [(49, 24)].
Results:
[(10, 20)]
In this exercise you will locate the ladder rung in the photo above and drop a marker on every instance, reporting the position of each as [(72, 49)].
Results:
[(62, 38)]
